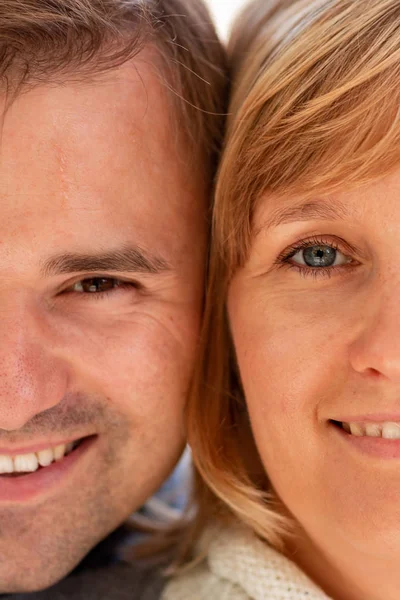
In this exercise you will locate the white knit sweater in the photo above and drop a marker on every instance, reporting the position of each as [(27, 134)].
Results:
[(240, 567)]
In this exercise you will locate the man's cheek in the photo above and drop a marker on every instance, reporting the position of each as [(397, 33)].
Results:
[(134, 368)]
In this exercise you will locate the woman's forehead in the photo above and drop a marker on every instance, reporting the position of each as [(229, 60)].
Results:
[(350, 204)]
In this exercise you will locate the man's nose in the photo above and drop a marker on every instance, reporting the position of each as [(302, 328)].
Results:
[(32, 378), (376, 351)]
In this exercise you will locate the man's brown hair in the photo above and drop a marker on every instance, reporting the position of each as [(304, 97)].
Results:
[(46, 41)]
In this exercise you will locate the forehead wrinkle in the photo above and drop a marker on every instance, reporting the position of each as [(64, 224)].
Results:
[(61, 159)]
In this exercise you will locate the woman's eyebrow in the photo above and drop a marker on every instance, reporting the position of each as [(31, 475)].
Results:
[(128, 259), (324, 210)]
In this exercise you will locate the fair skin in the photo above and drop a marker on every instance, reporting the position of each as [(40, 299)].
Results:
[(98, 172), (313, 349)]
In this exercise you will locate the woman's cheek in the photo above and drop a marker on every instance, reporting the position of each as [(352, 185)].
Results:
[(290, 360)]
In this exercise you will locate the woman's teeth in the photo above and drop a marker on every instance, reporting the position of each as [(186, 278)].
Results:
[(388, 430), (28, 463)]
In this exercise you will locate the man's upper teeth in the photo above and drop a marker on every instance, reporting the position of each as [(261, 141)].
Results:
[(28, 463), (388, 430)]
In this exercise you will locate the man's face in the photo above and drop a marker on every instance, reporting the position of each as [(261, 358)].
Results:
[(101, 262)]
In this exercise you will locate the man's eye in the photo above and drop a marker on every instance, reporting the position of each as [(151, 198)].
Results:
[(96, 285)]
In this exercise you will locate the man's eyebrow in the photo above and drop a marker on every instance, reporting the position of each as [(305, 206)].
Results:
[(324, 210), (129, 259)]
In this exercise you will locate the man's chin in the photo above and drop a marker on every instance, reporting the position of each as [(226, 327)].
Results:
[(29, 583), (41, 558), (25, 577)]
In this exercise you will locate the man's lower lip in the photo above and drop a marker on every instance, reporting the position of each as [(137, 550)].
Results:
[(370, 446), (32, 485)]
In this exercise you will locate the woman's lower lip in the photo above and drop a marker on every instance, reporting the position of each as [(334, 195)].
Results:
[(376, 447), (32, 485)]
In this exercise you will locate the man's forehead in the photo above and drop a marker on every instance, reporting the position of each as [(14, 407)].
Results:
[(122, 123), (70, 135), (131, 93), (79, 162)]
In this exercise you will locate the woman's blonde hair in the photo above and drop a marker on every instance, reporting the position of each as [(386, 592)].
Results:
[(315, 107)]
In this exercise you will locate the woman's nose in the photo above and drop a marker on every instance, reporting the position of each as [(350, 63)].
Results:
[(376, 350)]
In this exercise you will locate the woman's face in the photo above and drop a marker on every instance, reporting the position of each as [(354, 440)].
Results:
[(315, 318)]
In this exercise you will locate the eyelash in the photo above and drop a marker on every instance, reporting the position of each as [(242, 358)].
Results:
[(315, 272)]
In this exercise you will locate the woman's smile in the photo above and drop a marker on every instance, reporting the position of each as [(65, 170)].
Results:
[(374, 439)]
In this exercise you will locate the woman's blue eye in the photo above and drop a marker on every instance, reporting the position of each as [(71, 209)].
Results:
[(319, 256)]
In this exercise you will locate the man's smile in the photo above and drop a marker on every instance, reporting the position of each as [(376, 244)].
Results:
[(29, 461), (26, 476)]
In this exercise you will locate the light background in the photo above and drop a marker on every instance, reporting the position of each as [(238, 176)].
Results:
[(223, 12)]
